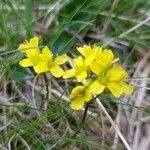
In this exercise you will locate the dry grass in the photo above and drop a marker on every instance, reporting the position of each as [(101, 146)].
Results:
[(34, 110)]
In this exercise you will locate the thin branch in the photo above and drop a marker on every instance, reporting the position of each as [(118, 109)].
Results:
[(127, 32), (100, 105), (108, 19)]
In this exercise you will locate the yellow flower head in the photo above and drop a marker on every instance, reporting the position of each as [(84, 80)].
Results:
[(94, 63), (97, 59), (52, 63), (90, 53), (103, 61), (114, 80), (43, 61), (79, 96), (79, 69), (30, 48)]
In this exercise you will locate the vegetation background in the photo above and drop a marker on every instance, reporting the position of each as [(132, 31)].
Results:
[(34, 110)]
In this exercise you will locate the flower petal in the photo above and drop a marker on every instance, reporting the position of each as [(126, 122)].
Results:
[(115, 89), (116, 74), (25, 63), (56, 71), (96, 87), (76, 91), (22, 47), (32, 53), (106, 57), (85, 50), (34, 41), (115, 60), (89, 59), (88, 95), (96, 68), (69, 73), (77, 103), (41, 67), (127, 89), (46, 53), (81, 76), (60, 59), (78, 62), (30, 48)]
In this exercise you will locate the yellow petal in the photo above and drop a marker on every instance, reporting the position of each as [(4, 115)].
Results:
[(31, 46), (56, 71), (41, 67), (116, 74), (90, 59), (127, 89), (77, 103), (76, 91), (22, 47), (115, 60), (97, 49), (78, 62), (34, 41), (69, 73), (115, 89), (88, 82), (32, 52), (60, 59), (96, 87), (106, 55), (25, 63), (85, 50), (46, 53), (81, 76), (96, 68), (88, 95), (105, 58)]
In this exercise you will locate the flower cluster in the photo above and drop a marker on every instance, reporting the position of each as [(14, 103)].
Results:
[(41, 60), (95, 66)]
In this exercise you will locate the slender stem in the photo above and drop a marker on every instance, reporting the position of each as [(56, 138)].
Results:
[(85, 113), (108, 19), (100, 105), (47, 96), (81, 125), (126, 32), (83, 119), (47, 86)]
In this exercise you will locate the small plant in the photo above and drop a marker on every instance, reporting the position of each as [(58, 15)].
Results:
[(95, 70)]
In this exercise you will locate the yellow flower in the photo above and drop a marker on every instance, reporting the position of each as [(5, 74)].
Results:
[(114, 80), (30, 48), (79, 96), (43, 61), (103, 61), (79, 69), (96, 59), (90, 53), (35, 60), (48, 63)]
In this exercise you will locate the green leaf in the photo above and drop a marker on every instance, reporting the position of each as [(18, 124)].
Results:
[(18, 73)]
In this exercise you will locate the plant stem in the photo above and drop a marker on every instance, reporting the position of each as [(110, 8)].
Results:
[(81, 125), (83, 119), (47, 86)]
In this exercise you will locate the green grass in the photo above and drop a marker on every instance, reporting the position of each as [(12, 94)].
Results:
[(29, 119)]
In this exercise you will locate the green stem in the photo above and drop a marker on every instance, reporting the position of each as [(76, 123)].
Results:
[(81, 125), (47, 86), (83, 119), (85, 113)]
